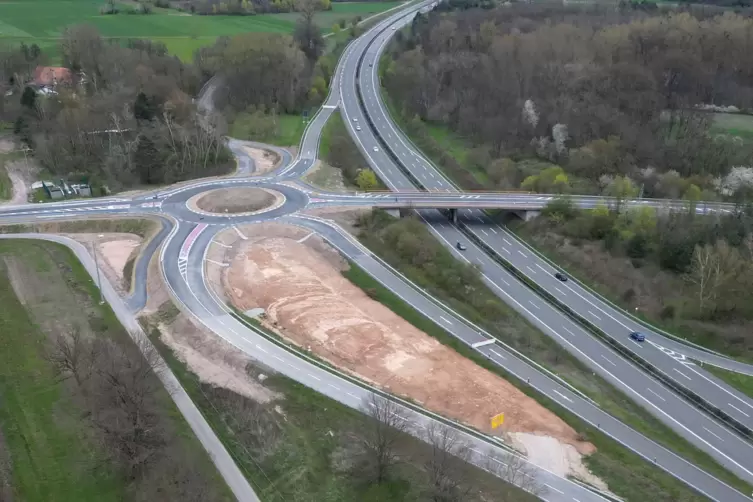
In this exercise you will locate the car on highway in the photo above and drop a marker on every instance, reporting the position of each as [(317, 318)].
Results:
[(376, 149), (638, 336), (358, 128), (562, 277), (355, 119), (461, 246)]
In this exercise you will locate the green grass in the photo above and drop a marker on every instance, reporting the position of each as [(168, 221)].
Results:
[(52, 458), (6, 186), (513, 330), (53, 449), (288, 131), (743, 383), (315, 432), (43, 22), (734, 124)]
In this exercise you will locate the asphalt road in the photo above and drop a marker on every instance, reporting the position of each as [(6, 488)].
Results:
[(204, 432), (184, 247)]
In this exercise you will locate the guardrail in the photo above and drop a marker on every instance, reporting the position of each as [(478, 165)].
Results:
[(686, 393), (628, 354)]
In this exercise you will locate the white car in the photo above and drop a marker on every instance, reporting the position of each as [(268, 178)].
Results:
[(376, 149), (358, 128), (355, 119)]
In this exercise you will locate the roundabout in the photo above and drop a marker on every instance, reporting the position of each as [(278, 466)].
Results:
[(236, 201)]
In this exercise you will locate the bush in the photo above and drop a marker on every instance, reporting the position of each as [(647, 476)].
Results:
[(108, 8)]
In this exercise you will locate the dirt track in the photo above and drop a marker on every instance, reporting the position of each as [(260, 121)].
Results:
[(308, 300)]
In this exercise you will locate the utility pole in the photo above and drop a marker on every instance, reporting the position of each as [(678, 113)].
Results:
[(96, 266)]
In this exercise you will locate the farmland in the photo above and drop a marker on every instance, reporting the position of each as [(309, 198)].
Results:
[(43, 21)]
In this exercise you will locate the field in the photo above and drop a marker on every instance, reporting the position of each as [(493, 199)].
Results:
[(733, 124), (49, 448), (43, 21)]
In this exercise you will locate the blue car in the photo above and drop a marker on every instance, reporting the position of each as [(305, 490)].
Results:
[(637, 336)]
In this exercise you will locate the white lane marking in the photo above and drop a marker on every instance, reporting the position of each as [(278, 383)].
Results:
[(221, 244), (683, 374), (314, 377), (563, 396), (237, 231), (597, 317), (542, 268), (261, 349), (506, 250), (553, 488), (608, 360), (717, 437), (532, 270), (492, 229), (738, 409), (445, 320), (560, 291), (657, 395), (507, 242), (717, 385), (573, 334), (334, 386), (218, 263), (485, 342), (497, 354), (279, 359), (537, 307), (484, 232), (302, 239), (352, 395), (636, 343), (522, 253)]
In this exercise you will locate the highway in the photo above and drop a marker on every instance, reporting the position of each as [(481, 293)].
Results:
[(187, 233)]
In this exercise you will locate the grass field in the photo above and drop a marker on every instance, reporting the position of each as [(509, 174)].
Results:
[(45, 436), (733, 124), (43, 21), (288, 132)]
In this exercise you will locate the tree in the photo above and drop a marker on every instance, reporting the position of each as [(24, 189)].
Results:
[(147, 161), (307, 34), (378, 441), (29, 98), (514, 470), (72, 356), (719, 272), (447, 451), (692, 195), (366, 180), (621, 188), (144, 108)]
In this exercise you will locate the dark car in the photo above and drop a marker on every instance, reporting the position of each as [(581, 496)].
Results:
[(638, 336), (460, 246), (562, 277)]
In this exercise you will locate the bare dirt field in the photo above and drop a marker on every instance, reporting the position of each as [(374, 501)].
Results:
[(297, 279), (114, 250), (264, 160), (21, 173), (326, 177), (236, 200)]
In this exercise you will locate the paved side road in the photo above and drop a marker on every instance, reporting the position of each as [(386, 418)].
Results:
[(214, 447)]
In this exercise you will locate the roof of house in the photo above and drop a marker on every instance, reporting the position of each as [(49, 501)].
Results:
[(49, 75)]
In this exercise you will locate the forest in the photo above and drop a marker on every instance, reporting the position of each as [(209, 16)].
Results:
[(125, 118), (625, 102), (601, 92)]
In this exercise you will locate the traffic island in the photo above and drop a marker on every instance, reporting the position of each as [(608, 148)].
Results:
[(238, 201)]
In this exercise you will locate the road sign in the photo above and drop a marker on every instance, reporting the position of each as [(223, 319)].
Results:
[(498, 420)]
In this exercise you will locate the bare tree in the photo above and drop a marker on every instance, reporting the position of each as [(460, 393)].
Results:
[(379, 439), (447, 451), (72, 357), (514, 470)]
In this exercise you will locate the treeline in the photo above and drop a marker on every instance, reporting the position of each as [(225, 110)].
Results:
[(268, 73), (712, 254), (600, 91), (116, 385), (123, 116), (243, 7)]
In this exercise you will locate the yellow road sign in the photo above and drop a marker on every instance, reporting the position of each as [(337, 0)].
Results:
[(498, 420)]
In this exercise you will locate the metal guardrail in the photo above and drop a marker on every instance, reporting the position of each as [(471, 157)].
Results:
[(690, 396)]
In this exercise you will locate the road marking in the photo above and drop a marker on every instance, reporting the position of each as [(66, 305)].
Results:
[(542, 268), (237, 231), (560, 291), (532, 270), (329, 107), (279, 359), (507, 242), (314, 377), (221, 244), (563, 396), (492, 229), (522, 253), (334, 386), (597, 317), (445, 320), (484, 232), (506, 250), (636, 343), (683, 374), (738, 409), (352, 395), (556, 490), (690, 367), (218, 263), (261, 349), (573, 334), (657, 395), (485, 342), (537, 307), (608, 360), (497, 354), (302, 239), (717, 437)]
